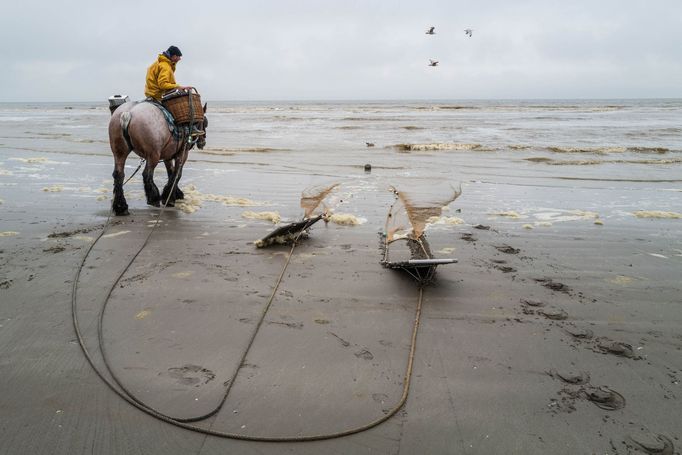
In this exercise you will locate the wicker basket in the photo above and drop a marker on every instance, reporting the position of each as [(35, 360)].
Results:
[(178, 103)]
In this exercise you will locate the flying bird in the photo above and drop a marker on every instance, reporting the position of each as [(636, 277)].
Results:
[(431, 31), (433, 62), (469, 32)]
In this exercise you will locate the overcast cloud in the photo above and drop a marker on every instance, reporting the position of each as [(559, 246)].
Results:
[(86, 50)]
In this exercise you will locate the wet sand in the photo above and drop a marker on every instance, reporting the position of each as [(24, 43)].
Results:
[(559, 338)]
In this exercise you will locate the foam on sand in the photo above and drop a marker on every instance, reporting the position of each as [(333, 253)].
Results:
[(8, 233), (272, 217), (509, 214), (142, 314), (438, 146), (447, 220), (115, 234), (559, 215), (345, 219), (194, 198), (657, 214), (54, 189), (621, 279), (36, 160)]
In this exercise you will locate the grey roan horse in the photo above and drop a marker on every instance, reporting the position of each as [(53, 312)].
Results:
[(151, 139)]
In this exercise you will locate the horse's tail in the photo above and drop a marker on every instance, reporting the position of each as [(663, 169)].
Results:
[(125, 123)]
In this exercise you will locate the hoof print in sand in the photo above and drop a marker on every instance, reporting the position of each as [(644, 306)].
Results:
[(617, 348), (553, 285), (507, 249), (364, 354), (604, 398), (505, 268), (580, 378), (193, 375), (650, 443), (533, 303), (581, 334), (555, 314)]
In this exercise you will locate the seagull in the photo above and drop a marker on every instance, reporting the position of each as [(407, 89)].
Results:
[(469, 32), (430, 31), (433, 62), (370, 144)]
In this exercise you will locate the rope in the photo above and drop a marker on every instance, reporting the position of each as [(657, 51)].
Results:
[(142, 160), (183, 423)]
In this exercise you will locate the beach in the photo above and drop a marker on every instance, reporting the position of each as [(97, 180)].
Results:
[(557, 331)]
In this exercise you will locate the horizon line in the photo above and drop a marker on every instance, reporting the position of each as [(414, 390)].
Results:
[(285, 100)]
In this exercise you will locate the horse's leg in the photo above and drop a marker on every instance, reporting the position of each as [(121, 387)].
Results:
[(150, 189), (174, 178), (119, 204), (170, 169)]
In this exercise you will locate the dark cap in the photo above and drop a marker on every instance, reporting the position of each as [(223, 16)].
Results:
[(173, 50)]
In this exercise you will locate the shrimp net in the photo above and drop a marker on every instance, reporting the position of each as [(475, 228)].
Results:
[(410, 213), (318, 200)]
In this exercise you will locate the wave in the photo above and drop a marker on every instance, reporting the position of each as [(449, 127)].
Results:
[(438, 146), (553, 162), (233, 151), (605, 150)]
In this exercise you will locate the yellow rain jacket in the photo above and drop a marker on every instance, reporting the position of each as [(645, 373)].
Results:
[(160, 77)]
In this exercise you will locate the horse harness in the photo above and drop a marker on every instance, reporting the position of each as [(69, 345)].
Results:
[(185, 134)]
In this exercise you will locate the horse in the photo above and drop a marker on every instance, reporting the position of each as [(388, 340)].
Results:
[(149, 136)]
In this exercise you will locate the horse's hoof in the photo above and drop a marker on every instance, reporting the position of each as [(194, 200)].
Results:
[(170, 204), (123, 212), (179, 194), (154, 204)]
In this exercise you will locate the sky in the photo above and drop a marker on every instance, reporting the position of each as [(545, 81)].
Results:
[(88, 50)]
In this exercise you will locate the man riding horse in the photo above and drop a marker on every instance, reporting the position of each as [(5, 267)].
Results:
[(145, 128)]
